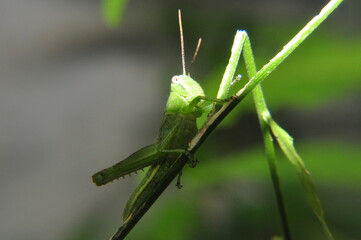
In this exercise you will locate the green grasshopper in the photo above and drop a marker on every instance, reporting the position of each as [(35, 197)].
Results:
[(167, 156)]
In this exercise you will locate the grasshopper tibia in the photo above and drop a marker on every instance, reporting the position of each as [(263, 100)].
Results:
[(178, 184)]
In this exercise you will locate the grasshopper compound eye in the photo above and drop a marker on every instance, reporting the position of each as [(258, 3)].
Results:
[(176, 80)]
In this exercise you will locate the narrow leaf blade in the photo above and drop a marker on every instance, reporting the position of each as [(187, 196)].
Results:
[(285, 142)]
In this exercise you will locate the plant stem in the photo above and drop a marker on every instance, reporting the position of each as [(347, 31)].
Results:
[(241, 40), (261, 108)]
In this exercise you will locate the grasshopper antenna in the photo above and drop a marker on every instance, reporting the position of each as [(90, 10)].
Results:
[(182, 41), (195, 53)]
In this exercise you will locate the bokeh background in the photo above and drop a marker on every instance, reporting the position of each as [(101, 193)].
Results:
[(78, 95)]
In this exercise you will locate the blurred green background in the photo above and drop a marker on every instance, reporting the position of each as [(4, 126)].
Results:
[(81, 91)]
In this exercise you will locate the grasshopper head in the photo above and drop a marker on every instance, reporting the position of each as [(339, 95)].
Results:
[(186, 87), (183, 90)]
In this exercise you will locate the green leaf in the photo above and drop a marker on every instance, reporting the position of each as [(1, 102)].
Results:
[(112, 11), (285, 142)]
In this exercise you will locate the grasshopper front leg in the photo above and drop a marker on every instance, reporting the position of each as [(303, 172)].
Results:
[(208, 102), (197, 100)]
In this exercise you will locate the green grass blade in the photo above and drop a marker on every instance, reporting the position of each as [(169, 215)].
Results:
[(232, 64), (285, 142), (261, 107)]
